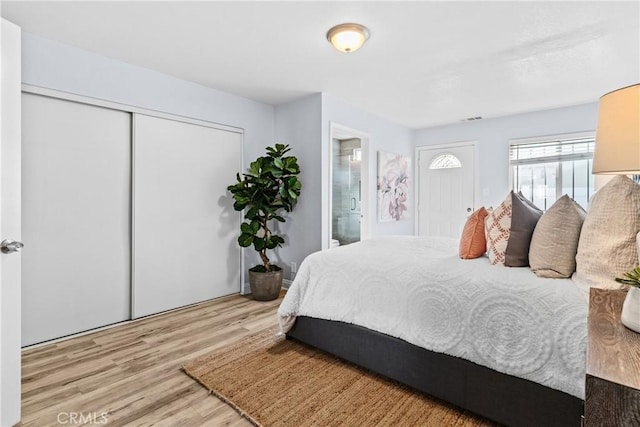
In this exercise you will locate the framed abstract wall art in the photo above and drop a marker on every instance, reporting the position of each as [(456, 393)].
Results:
[(393, 186)]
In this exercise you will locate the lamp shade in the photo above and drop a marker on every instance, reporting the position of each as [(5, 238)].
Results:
[(617, 148)]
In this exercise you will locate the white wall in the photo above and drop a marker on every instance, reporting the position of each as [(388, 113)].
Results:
[(384, 135), (298, 124), (493, 137), (58, 66), (54, 65)]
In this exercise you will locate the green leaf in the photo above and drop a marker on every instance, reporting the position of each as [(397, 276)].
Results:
[(291, 165), (259, 244), (240, 198), (278, 218), (271, 150), (254, 167), (246, 228), (245, 240), (293, 194), (294, 184), (255, 226), (631, 278), (252, 213)]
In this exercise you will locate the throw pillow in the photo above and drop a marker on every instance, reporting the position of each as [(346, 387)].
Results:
[(524, 217), (555, 240), (473, 243), (607, 245), (498, 226)]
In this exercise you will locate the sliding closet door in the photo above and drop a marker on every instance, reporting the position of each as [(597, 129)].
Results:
[(75, 217), (185, 228)]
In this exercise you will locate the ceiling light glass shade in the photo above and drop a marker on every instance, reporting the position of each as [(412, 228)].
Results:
[(348, 37), (617, 148)]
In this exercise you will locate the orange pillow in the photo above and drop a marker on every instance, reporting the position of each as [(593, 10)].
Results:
[(473, 243)]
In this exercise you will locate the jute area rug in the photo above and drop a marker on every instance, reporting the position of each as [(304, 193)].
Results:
[(284, 383)]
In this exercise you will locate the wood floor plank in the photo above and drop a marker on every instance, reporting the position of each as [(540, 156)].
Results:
[(133, 370)]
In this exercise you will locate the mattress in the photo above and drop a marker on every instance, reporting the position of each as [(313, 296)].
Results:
[(419, 290)]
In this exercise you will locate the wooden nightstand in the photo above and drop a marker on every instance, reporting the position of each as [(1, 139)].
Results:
[(613, 364)]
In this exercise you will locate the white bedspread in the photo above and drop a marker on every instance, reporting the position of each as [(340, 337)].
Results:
[(418, 290)]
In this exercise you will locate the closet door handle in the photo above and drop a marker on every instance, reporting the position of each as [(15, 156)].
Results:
[(10, 246), (353, 203)]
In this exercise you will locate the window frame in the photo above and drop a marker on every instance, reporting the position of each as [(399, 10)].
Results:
[(547, 139), (456, 163)]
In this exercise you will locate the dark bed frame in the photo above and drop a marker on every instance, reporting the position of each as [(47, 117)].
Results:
[(503, 398)]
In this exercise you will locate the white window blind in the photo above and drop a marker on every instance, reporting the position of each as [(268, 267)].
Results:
[(545, 169), (551, 151)]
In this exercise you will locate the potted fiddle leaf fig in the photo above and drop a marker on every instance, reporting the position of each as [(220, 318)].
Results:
[(269, 187)]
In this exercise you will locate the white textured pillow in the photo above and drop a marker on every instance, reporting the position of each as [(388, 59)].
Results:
[(608, 247), (498, 228)]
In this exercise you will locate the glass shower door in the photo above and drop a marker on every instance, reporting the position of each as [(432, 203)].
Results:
[(347, 191)]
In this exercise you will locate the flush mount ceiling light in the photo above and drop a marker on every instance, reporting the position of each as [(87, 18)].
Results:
[(348, 38)]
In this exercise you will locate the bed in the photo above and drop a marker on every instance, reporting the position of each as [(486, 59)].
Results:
[(498, 341)]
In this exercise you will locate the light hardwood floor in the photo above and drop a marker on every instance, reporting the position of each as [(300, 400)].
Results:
[(132, 371)]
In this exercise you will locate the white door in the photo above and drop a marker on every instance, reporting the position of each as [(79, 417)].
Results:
[(185, 227), (10, 269), (446, 190), (76, 191)]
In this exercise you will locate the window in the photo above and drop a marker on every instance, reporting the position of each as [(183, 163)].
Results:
[(545, 169), (445, 161)]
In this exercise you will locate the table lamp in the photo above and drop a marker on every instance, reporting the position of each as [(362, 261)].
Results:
[(617, 152)]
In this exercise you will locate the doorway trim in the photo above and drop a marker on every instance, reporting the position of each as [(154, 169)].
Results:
[(339, 131), (476, 174)]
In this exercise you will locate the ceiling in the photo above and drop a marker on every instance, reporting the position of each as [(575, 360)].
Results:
[(426, 63)]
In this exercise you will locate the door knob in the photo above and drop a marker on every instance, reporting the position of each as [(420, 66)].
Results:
[(468, 209), (10, 246)]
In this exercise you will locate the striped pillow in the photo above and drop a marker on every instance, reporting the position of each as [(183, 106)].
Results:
[(498, 228), (473, 243)]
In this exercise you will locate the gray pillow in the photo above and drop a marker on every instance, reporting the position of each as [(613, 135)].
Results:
[(555, 240), (524, 217)]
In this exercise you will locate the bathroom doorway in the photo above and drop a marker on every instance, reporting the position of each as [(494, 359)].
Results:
[(349, 173), (347, 191)]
